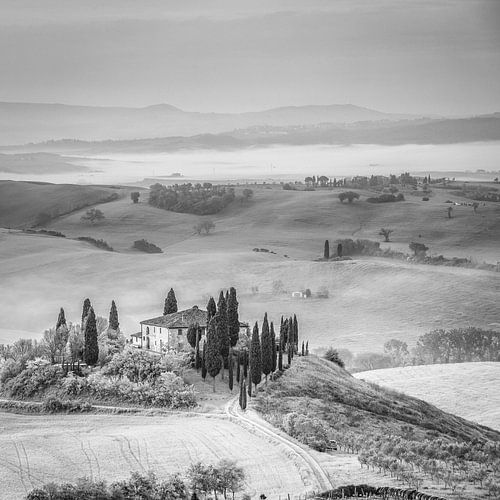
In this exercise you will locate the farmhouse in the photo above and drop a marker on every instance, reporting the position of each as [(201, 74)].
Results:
[(169, 332)]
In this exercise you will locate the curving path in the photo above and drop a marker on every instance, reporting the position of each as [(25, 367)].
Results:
[(248, 420)]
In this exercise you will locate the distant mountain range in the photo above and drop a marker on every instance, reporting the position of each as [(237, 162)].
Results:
[(22, 123), (419, 131)]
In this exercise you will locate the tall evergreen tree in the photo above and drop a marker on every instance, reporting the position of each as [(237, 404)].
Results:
[(296, 332), (222, 330), (91, 347), (211, 309), (204, 362), (307, 348), (303, 349), (61, 319), (283, 333), (243, 395), (113, 317), (213, 358), (197, 357), (291, 335), (230, 367), (238, 368), (290, 354), (192, 334), (275, 352), (326, 251), (170, 303), (280, 358), (233, 321), (244, 357), (249, 382), (256, 357), (266, 348), (86, 308)]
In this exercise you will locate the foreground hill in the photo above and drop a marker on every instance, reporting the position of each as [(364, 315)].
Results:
[(469, 390), (31, 122)]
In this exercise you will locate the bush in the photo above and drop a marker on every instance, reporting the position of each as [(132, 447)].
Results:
[(92, 215), (308, 430), (144, 246), (10, 369), (333, 356), (97, 243), (359, 247), (204, 225), (386, 198), (350, 196), (34, 380)]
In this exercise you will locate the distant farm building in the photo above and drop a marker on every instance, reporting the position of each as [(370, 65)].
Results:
[(169, 332)]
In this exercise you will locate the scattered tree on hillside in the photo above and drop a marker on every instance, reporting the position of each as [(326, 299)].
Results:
[(233, 320), (134, 196), (213, 359), (91, 348), (326, 251), (332, 355), (86, 308), (204, 225), (386, 233), (211, 309), (266, 348), (398, 351), (350, 196), (419, 249), (113, 317), (92, 215), (170, 303), (61, 319), (256, 357)]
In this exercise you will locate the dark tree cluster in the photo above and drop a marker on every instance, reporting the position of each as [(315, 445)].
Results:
[(206, 199)]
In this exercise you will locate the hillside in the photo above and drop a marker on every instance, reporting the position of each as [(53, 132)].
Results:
[(469, 390), (36, 163), (21, 202), (22, 123), (315, 399)]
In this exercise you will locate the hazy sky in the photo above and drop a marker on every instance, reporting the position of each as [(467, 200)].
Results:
[(436, 56)]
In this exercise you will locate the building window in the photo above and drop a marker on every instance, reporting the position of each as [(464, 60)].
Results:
[(179, 331)]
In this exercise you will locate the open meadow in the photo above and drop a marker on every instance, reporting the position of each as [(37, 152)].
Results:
[(469, 390)]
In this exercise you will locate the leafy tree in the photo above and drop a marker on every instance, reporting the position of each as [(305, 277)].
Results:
[(92, 215), (213, 359), (247, 194), (233, 320), (398, 351), (350, 196), (54, 342), (170, 303), (386, 233), (326, 251), (134, 196), (256, 357), (230, 477), (419, 249), (91, 347), (266, 348), (61, 320), (113, 317), (333, 356), (211, 309), (204, 225), (86, 308)]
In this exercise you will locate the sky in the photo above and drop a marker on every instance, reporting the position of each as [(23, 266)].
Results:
[(408, 56)]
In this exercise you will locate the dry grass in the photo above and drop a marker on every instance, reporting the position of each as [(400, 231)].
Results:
[(469, 390)]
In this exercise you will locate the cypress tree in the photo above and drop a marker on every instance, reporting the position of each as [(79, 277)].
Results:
[(213, 359), (85, 311), (256, 357), (243, 395), (222, 330), (233, 321), (307, 348), (238, 368), (275, 353), (303, 349), (283, 333), (249, 382), (230, 366), (61, 319), (266, 348), (291, 334), (296, 332), (204, 362), (211, 309), (170, 303), (280, 358), (289, 353), (192, 335), (197, 357), (113, 317), (245, 356), (326, 252), (91, 347)]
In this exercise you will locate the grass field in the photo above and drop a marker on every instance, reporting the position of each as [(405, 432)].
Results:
[(371, 300), (469, 390)]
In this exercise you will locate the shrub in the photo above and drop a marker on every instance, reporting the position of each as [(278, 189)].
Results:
[(386, 198), (308, 430), (32, 381), (350, 196), (97, 243), (10, 369), (92, 215), (204, 225), (359, 247), (144, 246), (333, 356), (134, 196)]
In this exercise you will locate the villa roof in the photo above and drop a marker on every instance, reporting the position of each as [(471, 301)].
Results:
[(138, 335), (180, 319)]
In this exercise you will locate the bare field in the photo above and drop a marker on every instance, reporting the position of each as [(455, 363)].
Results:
[(469, 390)]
